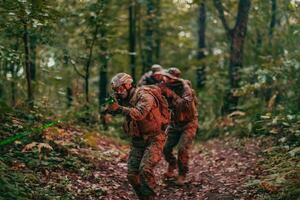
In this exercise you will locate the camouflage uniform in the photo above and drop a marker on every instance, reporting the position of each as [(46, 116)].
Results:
[(174, 71), (184, 122), (147, 78), (143, 123)]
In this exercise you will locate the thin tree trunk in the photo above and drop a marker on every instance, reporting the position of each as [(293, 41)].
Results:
[(103, 54), (27, 66), (272, 22), (1, 78), (13, 85), (69, 90), (69, 96), (132, 38), (267, 93), (13, 71), (236, 37), (139, 37), (149, 36), (1, 91), (157, 32), (201, 45), (32, 46), (88, 65), (103, 68)]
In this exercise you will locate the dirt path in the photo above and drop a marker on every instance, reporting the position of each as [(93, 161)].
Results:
[(219, 169)]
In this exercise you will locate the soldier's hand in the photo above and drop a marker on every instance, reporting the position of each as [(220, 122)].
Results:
[(114, 106)]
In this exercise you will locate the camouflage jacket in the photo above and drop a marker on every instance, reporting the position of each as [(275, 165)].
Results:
[(142, 113), (182, 101), (146, 79)]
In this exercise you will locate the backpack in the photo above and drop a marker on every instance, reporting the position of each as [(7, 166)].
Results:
[(162, 103)]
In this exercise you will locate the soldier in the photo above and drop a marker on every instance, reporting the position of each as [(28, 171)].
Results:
[(177, 73), (174, 71), (184, 122), (144, 120), (147, 79)]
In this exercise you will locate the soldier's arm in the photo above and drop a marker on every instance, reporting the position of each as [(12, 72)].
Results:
[(167, 92), (141, 109), (142, 81), (186, 100), (187, 91), (186, 97)]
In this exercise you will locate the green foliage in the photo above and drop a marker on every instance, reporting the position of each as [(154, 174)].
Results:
[(281, 175), (11, 188), (62, 33)]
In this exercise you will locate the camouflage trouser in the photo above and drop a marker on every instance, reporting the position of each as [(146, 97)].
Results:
[(143, 157), (183, 136)]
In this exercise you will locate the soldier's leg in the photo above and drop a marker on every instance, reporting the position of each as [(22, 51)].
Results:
[(151, 157), (184, 146), (172, 141), (133, 163)]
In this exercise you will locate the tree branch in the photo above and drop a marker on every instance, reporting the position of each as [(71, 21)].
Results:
[(220, 9), (243, 9), (77, 71)]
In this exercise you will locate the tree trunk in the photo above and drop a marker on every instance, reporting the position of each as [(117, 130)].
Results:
[(69, 96), (88, 65), (132, 38), (236, 37), (103, 68), (139, 37), (27, 66), (13, 85), (1, 78), (103, 53), (33, 44), (149, 36), (1, 91), (272, 22), (157, 32), (13, 70), (69, 90), (201, 45), (267, 93)]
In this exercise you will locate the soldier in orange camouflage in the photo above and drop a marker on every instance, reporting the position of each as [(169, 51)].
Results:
[(184, 123), (144, 121), (147, 78)]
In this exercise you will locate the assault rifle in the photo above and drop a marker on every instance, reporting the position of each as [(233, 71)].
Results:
[(110, 100)]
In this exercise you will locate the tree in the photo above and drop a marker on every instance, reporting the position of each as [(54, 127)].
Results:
[(201, 44), (157, 31), (149, 45), (132, 37), (273, 21), (236, 36), (104, 54), (23, 18), (30, 97)]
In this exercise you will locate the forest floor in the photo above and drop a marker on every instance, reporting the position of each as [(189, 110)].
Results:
[(219, 169), (72, 163)]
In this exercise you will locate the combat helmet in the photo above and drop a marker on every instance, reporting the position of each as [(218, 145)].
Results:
[(121, 79), (174, 71)]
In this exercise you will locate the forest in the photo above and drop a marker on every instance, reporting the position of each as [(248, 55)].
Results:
[(57, 59)]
